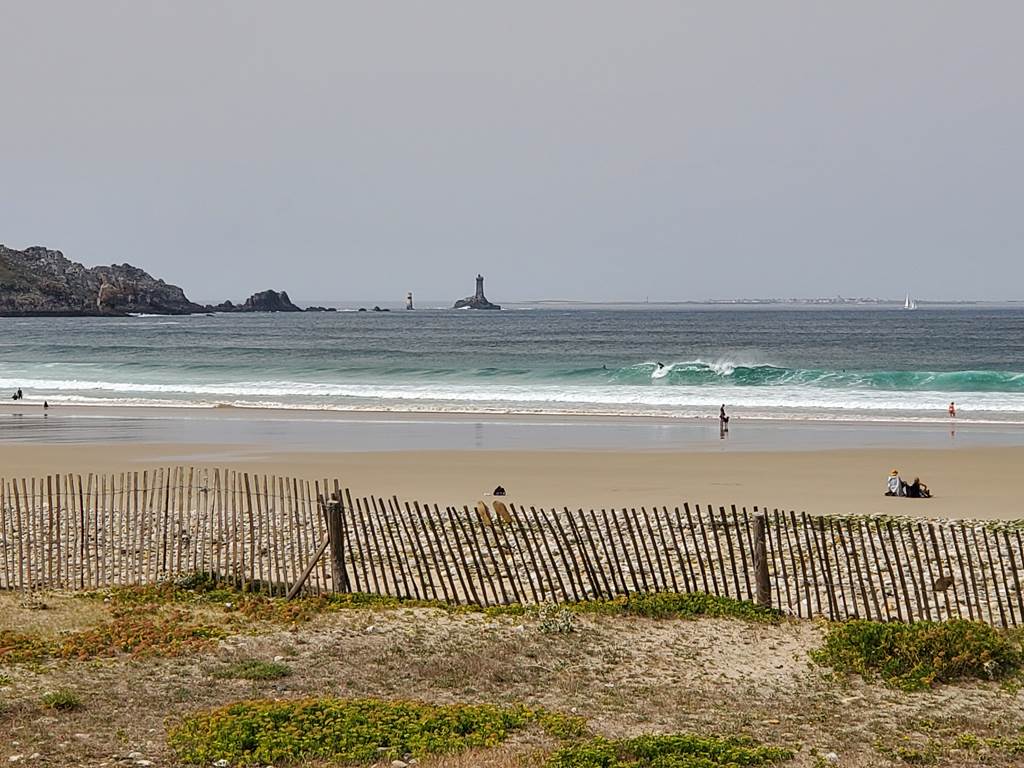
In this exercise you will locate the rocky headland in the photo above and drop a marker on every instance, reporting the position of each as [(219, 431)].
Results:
[(38, 281)]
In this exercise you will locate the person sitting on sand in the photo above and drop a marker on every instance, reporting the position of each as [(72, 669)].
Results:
[(895, 485), (917, 490)]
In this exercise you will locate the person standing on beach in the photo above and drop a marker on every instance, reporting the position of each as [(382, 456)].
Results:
[(952, 410)]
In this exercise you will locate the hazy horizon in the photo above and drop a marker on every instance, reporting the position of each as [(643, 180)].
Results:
[(568, 151)]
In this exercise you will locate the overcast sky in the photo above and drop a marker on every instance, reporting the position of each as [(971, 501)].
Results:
[(580, 150)]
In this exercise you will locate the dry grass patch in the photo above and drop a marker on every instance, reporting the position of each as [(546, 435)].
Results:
[(49, 614)]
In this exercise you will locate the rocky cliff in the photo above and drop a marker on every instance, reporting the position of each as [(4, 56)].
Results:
[(38, 281)]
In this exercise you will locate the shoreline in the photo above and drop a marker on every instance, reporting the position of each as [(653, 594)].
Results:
[(302, 411)]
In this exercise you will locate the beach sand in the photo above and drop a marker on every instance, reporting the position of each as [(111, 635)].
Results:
[(984, 482)]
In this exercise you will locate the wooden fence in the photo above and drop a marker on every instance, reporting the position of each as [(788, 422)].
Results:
[(281, 535)]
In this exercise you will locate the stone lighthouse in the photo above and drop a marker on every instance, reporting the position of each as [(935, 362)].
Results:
[(408, 300), (477, 300)]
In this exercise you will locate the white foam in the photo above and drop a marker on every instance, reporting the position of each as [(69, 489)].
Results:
[(756, 402)]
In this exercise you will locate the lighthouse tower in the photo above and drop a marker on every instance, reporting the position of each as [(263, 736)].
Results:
[(408, 300), (477, 300)]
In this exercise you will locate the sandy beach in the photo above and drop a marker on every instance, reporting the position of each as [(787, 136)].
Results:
[(813, 467)]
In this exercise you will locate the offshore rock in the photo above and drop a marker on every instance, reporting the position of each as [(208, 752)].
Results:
[(264, 301), (38, 281), (477, 300)]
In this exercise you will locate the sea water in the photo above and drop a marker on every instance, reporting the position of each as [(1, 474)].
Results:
[(850, 364)]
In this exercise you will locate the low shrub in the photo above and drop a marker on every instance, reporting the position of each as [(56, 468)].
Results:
[(677, 605), (669, 751), (555, 620), (63, 700), (253, 669), (916, 656), (361, 731), (17, 647), (140, 634)]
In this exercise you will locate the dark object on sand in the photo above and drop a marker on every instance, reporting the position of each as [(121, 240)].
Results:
[(942, 583), (499, 491), (917, 490)]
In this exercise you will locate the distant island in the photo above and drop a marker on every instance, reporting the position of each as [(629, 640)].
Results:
[(477, 300), (39, 282)]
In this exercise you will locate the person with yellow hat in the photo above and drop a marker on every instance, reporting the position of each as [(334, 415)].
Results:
[(895, 484)]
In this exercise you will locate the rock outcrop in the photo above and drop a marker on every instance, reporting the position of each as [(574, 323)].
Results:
[(38, 281), (264, 301), (477, 300)]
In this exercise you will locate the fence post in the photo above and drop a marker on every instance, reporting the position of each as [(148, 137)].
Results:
[(336, 533), (764, 586)]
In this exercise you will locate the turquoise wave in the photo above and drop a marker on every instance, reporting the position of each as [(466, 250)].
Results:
[(696, 373)]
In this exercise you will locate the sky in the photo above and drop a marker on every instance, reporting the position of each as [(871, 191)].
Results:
[(583, 150)]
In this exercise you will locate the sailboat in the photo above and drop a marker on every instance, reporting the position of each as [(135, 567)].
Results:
[(910, 303)]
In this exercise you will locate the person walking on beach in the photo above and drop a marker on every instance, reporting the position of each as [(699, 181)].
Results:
[(723, 420), (952, 409)]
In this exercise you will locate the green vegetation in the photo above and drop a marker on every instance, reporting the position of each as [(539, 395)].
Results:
[(362, 731), (253, 669), (675, 605), (370, 731), (63, 700), (201, 589), (916, 656), (670, 751)]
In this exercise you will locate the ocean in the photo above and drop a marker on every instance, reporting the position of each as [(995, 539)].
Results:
[(807, 363)]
